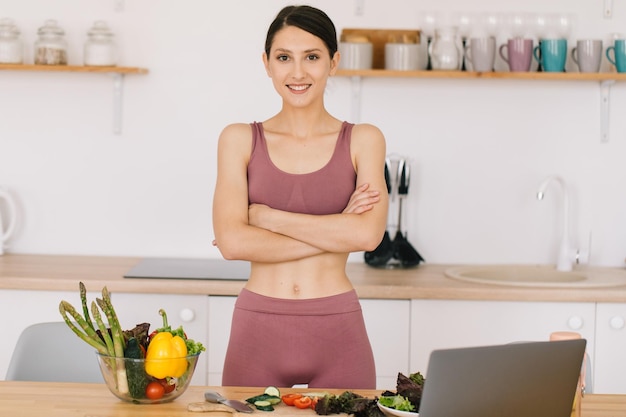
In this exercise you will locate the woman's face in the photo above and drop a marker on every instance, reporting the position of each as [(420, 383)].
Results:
[(299, 65)]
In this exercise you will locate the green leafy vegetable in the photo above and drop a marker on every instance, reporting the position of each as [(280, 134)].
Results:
[(137, 378), (397, 402)]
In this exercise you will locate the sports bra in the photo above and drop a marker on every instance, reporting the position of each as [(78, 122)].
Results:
[(325, 191)]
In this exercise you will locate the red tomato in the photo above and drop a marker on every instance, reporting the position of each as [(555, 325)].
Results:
[(290, 398), (168, 385), (303, 402), (314, 401), (155, 390)]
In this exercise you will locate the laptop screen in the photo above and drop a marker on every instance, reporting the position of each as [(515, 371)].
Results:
[(531, 379)]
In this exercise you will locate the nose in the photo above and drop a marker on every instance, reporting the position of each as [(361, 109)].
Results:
[(298, 71)]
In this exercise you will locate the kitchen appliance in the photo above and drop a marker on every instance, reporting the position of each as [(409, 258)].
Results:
[(189, 268), (8, 217)]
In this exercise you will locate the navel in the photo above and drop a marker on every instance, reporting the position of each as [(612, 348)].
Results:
[(296, 289)]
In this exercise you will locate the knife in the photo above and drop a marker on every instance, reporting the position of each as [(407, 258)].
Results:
[(216, 397)]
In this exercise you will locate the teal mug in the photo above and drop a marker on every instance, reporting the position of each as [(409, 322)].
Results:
[(551, 54), (619, 55)]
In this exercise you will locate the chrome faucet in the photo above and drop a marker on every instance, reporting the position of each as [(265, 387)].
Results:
[(566, 257)]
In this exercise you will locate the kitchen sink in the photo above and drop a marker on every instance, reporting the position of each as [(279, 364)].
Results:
[(538, 276)]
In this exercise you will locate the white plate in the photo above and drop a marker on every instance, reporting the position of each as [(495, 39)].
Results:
[(397, 413)]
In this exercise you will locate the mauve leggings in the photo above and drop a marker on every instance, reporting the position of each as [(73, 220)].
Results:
[(321, 342)]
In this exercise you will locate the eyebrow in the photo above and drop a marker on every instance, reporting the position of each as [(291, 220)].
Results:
[(307, 51)]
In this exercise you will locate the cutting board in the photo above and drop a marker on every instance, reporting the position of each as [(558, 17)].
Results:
[(280, 410)]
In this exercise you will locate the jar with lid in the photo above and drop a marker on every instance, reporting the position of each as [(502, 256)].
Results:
[(11, 49), (50, 46), (100, 49)]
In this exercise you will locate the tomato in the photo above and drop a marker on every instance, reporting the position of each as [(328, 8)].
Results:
[(168, 384), (303, 402), (290, 398), (314, 401), (155, 391)]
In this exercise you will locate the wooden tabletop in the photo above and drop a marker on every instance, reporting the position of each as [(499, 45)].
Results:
[(55, 399)]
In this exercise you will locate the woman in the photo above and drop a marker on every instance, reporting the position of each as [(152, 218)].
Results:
[(295, 195)]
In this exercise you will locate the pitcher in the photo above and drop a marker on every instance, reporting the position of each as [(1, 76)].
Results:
[(444, 50), (8, 222)]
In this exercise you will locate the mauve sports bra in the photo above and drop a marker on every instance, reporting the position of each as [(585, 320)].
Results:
[(325, 191)]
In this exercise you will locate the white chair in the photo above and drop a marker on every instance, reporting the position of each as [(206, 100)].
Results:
[(52, 352)]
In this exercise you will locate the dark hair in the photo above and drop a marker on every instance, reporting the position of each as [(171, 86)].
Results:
[(307, 18)]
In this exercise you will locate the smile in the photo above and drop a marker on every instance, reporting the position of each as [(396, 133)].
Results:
[(299, 87)]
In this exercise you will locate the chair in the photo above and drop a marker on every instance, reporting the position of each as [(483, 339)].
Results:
[(52, 352)]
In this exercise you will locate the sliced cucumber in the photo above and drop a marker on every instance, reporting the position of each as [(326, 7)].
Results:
[(263, 405), (273, 391)]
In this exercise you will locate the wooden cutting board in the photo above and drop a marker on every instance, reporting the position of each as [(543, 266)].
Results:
[(282, 410)]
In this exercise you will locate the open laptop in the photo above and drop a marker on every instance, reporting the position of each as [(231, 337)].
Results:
[(530, 379)]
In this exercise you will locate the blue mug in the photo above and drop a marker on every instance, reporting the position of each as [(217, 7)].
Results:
[(619, 55), (551, 54)]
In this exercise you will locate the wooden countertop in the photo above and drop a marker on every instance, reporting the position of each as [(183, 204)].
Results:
[(55, 399), (63, 272)]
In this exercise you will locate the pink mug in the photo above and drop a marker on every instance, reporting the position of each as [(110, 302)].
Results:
[(519, 54)]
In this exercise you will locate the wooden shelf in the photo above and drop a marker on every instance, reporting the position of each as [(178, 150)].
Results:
[(73, 68), (566, 76)]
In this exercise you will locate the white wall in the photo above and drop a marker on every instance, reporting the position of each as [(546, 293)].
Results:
[(479, 148)]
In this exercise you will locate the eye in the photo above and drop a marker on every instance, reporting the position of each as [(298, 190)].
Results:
[(282, 57), (313, 57)]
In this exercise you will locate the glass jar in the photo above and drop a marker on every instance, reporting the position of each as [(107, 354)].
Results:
[(11, 49), (51, 47), (100, 49)]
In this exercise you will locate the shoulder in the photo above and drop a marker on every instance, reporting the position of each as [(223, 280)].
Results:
[(236, 139), (236, 131), (367, 135)]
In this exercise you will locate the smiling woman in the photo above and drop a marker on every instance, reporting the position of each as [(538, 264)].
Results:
[(295, 194)]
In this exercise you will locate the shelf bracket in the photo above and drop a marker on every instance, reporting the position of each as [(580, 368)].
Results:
[(356, 98), (118, 95), (605, 109), (608, 9)]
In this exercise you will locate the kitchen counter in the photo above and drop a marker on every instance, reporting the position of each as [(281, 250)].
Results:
[(63, 272), (53, 399)]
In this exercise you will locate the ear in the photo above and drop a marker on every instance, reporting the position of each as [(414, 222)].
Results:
[(266, 63), (334, 63)]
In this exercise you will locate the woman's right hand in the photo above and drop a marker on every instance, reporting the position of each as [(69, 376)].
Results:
[(362, 200)]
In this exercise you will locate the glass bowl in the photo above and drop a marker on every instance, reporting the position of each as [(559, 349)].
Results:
[(137, 386)]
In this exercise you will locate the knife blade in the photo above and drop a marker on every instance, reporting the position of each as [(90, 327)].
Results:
[(215, 397)]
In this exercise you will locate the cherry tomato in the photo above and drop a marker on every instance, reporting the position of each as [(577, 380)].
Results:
[(303, 402), (155, 390), (314, 401), (290, 398), (168, 384)]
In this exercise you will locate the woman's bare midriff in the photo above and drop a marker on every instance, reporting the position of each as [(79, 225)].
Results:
[(317, 276)]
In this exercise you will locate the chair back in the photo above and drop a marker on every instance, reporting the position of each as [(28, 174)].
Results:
[(52, 352)]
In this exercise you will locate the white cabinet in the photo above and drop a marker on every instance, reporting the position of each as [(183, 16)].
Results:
[(440, 324), (29, 307), (610, 353), (387, 323)]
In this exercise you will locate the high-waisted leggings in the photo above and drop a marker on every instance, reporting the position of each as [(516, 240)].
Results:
[(321, 342)]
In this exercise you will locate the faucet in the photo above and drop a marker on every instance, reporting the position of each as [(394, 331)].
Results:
[(565, 259)]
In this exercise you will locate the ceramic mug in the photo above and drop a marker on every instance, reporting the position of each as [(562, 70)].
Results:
[(619, 55), (402, 56), (587, 54), (551, 54), (9, 220), (518, 53), (481, 53)]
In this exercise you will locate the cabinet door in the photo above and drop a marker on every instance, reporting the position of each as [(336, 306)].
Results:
[(21, 308), (440, 324), (385, 320), (189, 311), (610, 362)]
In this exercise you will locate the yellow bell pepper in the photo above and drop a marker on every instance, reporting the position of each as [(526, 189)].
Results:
[(166, 356)]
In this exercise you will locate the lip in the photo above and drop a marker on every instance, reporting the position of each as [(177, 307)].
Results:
[(299, 88)]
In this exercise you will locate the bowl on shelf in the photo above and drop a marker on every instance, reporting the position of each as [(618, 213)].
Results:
[(392, 412), (128, 380)]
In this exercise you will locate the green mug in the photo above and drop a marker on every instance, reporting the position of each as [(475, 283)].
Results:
[(551, 54), (619, 55)]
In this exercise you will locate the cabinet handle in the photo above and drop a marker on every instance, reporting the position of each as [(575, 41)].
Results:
[(187, 315), (616, 322), (575, 322)]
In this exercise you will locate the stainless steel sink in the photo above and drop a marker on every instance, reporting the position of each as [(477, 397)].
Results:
[(538, 276)]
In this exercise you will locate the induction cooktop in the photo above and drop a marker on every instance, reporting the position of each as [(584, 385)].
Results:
[(190, 268)]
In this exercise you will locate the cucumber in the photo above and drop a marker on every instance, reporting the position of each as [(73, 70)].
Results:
[(273, 391), (263, 405), (264, 397)]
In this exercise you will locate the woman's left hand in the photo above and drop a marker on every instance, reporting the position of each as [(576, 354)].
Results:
[(362, 200)]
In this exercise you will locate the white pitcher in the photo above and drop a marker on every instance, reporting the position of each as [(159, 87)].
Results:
[(7, 223), (444, 51)]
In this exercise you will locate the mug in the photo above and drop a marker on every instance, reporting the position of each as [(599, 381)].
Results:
[(619, 54), (519, 54), (587, 54), (402, 56), (481, 53), (356, 55), (10, 219), (551, 54)]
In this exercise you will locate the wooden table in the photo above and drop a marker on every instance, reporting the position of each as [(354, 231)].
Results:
[(52, 399)]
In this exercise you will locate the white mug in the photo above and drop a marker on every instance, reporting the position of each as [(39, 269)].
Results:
[(10, 219), (356, 55), (402, 56)]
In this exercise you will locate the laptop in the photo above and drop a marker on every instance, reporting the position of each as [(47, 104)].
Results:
[(530, 379)]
